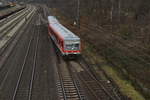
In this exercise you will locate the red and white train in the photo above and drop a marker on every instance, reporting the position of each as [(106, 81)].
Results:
[(68, 43)]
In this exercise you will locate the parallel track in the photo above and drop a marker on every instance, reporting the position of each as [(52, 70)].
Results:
[(5, 36), (9, 18), (68, 88), (27, 88), (9, 41), (7, 50), (12, 24), (100, 89)]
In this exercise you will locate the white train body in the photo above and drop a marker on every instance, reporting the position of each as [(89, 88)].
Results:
[(67, 42)]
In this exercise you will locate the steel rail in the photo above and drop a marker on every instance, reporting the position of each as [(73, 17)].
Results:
[(34, 66), (64, 86), (13, 25), (75, 84), (22, 68), (6, 25), (92, 91), (98, 82), (8, 52), (17, 37), (5, 20), (9, 41), (61, 82)]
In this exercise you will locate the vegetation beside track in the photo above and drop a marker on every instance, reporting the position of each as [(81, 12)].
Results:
[(125, 86)]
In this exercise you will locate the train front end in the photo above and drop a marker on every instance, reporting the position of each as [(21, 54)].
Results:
[(72, 47)]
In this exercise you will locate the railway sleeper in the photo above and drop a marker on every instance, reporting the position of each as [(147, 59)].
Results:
[(70, 90), (69, 85), (72, 96), (67, 78), (68, 82)]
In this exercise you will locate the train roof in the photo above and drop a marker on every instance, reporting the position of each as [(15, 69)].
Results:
[(62, 31), (52, 20)]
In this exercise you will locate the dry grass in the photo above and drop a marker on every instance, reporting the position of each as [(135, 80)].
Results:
[(125, 86)]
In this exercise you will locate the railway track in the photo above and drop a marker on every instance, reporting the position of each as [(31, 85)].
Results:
[(14, 20), (5, 13), (23, 89), (6, 52), (13, 25), (8, 33), (72, 85), (100, 89), (9, 37), (68, 88), (9, 18), (97, 89), (44, 87)]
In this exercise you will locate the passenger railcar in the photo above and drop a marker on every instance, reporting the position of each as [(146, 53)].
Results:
[(68, 43)]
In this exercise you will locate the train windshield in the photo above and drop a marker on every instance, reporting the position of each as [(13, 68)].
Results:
[(72, 47)]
